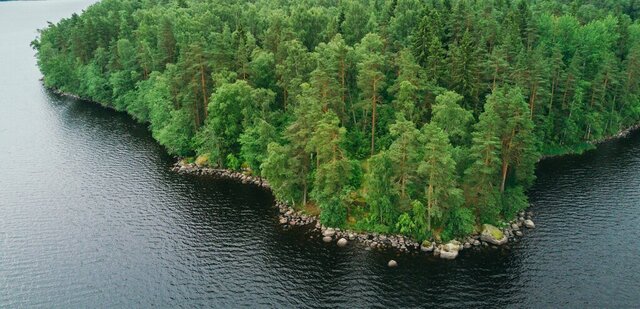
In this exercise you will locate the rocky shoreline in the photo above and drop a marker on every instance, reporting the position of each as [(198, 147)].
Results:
[(288, 217)]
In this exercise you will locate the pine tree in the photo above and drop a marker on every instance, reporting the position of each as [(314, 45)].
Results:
[(333, 170), (371, 79), (438, 169)]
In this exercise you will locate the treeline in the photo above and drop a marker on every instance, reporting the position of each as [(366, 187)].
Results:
[(419, 117)]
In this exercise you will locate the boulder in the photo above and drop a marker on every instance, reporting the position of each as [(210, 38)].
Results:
[(392, 263), (476, 242), (283, 220), (329, 232), (467, 245), (493, 235), (342, 242), (529, 224), (426, 246), (450, 247), (519, 233), (448, 255), (450, 250), (326, 239), (515, 227)]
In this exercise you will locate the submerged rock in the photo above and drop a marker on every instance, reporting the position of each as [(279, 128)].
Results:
[(326, 239), (493, 235)]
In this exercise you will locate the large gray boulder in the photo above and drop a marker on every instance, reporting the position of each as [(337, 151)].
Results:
[(493, 235)]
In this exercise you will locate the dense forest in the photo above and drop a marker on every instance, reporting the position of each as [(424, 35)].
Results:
[(420, 117)]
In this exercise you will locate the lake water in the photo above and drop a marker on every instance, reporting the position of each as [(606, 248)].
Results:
[(91, 216)]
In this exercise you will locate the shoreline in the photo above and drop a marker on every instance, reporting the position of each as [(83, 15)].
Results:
[(289, 217), (620, 135)]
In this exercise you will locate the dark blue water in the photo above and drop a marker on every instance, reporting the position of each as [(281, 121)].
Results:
[(91, 216)]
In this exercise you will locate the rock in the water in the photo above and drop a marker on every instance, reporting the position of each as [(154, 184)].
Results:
[(476, 242), (519, 233), (450, 250), (283, 220), (329, 232), (342, 242), (426, 246), (448, 255), (467, 245), (529, 224), (392, 263), (326, 239), (515, 226), (493, 235)]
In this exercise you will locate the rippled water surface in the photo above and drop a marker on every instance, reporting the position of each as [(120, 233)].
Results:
[(90, 215)]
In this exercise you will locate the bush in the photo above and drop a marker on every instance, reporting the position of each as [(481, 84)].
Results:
[(460, 223), (513, 201), (490, 208), (232, 162), (333, 212)]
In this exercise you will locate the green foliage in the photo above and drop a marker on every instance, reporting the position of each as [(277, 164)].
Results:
[(325, 98), (461, 222), (514, 201), (381, 194), (254, 142)]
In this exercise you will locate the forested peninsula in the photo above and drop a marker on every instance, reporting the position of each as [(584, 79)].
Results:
[(416, 117)]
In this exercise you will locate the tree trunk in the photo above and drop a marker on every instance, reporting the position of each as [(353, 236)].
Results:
[(204, 91), (373, 117)]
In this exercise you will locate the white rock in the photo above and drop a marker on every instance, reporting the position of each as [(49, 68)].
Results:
[(448, 255), (329, 232), (326, 239), (529, 224), (392, 263), (342, 242)]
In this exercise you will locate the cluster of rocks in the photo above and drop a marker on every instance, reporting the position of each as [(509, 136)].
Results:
[(368, 240), (516, 227), (183, 167), (288, 217)]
